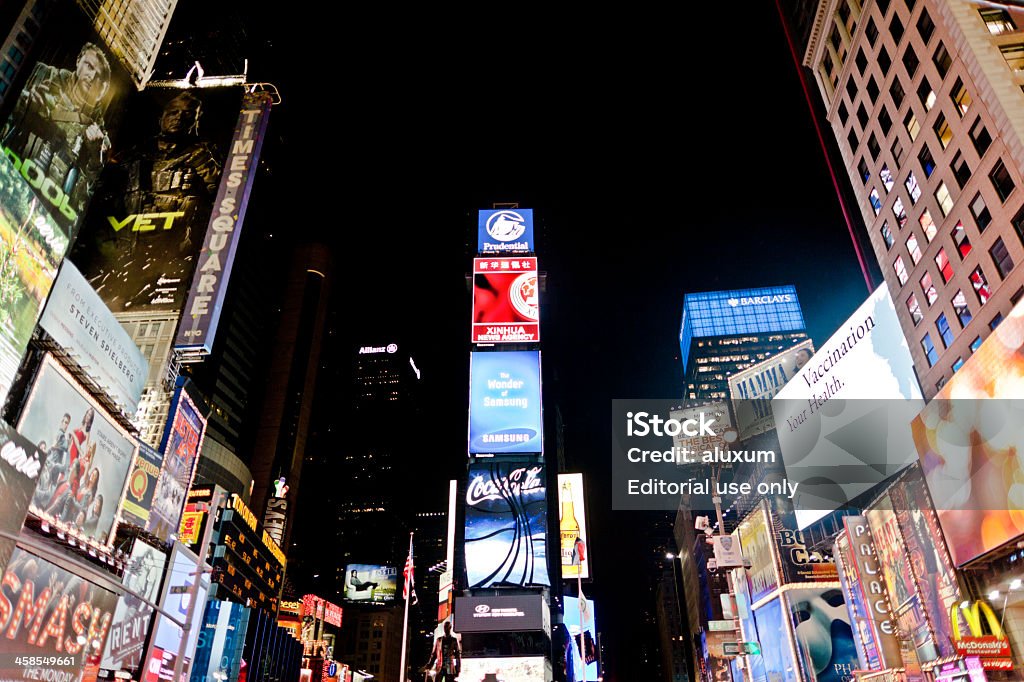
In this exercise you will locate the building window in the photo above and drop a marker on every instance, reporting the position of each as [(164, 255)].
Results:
[(993, 323), (844, 115), (862, 168), (871, 31), (897, 92), (980, 212), (976, 344), (884, 60), (926, 94), (899, 212), (943, 131), (851, 89), (1001, 180), (930, 293), (883, 7), (896, 29), (980, 284), (914, 308), (945, 200), (961, 171), (862, 116), (963, 313), (927, 162), (913, 188), (913, 249), (861, 61), (884, 121), (925, 26), (945, 267), (942, 60), (1018, 224), (852, 139), (876, 202), (910, 61), (912, 124), (998, 21), (872, 89), (929, 350), (873, 147), (1001, 258), (897, 152), (901, 270), (961, 98), (1014, 55), (963, 243), (886, 177), (887, 237), (980, 137), (928, 225), (945, 333)]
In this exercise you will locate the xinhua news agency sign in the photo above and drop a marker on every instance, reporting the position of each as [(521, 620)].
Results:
[(198, 326)]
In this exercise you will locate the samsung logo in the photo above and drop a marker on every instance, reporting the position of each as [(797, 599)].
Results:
[(760, 300)]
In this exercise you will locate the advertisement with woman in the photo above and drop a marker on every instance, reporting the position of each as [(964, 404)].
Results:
[(88, 455), (756, 540)]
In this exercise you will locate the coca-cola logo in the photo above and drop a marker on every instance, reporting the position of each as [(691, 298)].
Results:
[(518, 482)]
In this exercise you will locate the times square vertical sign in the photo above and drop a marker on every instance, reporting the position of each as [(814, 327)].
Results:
[(198, 326)]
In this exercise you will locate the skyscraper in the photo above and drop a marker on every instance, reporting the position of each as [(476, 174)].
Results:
[(926, 103), (723, 332)]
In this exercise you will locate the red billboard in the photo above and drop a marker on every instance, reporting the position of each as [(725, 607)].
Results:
[(506, 307)]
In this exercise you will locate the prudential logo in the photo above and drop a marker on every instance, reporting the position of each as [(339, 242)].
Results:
[(506, 226)]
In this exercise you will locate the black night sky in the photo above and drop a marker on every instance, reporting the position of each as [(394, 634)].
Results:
[(661, 155)]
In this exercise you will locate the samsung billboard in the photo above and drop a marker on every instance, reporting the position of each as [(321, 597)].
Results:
[(739, 311), (505, 230), (504, 403)]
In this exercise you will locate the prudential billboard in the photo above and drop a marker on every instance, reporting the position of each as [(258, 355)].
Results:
[(504, 403)]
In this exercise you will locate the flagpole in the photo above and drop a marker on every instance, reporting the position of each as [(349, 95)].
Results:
[(579, 591), (405, 622)]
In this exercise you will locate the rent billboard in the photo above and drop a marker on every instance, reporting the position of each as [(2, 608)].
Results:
[(130, 626)]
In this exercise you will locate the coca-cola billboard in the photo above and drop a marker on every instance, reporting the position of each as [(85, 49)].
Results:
[(506, 525)]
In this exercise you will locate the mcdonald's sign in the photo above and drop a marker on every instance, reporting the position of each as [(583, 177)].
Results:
[(992, 649)]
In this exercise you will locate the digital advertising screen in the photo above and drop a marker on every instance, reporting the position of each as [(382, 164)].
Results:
[(504, 403), (508, 669), (776, 649), (59, 134), (34, 246), (88, 455), (142, 482), (85, 328), (572, 525), (504, 230), (843, 421), (824, 636), (182, 443), (370, 582), (176, 599), (20, 465), (506, 300), (576, 620), (55, 622), (756, 539), (506, 525), (147, 224), (130, 625), (968, 440), (752, 389), (500, 613)]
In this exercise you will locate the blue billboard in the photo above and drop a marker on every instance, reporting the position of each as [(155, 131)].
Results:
[(739, 311), (571, 619), (506, 525), (505, 230), (504, 403)]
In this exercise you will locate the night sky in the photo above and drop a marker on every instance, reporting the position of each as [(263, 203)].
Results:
[(658, 161)]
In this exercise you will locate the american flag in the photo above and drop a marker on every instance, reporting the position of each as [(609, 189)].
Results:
[(407, 572)]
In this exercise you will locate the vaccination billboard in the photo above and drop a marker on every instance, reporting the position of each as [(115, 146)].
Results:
[(504, 403), (505, 230), (506, 300), (506, 525), (85, 328), (843, 421), (752, 389), (88, 455)]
